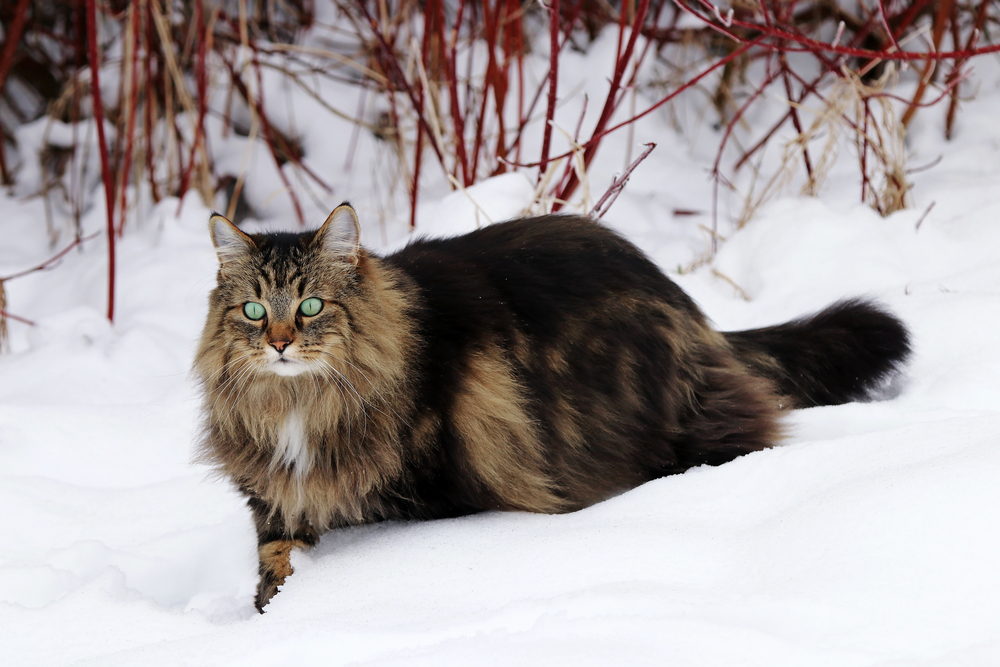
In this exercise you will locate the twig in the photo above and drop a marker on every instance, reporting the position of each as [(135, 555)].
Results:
[(47, 264), (457, 118), (391, 59), (680, 89), (924, 216), (95, 89), (17, 318), (815, 46), (944, 10), (133, 105), (609, 103), (332, 55), (550, 109), (957, 65), (618, 184), (6, 62), (479, 209), (739, 290)]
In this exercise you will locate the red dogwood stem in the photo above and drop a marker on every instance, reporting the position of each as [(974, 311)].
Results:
[(109, 193)]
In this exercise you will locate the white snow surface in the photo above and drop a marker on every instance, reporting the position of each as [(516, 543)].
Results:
[(869, 536)]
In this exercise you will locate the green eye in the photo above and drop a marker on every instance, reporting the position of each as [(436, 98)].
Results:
[(311, 307), (254, 310)]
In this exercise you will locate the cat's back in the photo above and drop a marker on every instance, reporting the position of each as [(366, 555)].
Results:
[(553, 351), (540, 271)]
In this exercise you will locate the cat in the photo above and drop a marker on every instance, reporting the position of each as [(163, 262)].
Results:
[(541, 364)]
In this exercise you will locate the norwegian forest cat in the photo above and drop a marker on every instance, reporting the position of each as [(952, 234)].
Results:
[(540, 364)]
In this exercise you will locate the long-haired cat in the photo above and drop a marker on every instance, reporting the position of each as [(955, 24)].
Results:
[(540, 364)]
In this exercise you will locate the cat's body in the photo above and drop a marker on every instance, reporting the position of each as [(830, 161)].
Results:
[(542, 364)]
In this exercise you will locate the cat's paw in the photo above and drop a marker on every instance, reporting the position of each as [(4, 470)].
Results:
[(266, 589), (275, 566)]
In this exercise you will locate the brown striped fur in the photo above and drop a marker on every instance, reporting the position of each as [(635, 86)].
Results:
[(540, 364)]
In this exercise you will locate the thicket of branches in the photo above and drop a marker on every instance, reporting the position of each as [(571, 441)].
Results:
[(452, 74)]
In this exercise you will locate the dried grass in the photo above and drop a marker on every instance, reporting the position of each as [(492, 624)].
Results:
[(846, 115)]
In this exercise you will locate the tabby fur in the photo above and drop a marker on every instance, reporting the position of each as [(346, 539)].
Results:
[(541, 364)]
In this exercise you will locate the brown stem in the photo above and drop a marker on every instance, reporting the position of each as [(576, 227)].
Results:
[(794, 111), (957, 65), (17, 318), (609, 105), (680, 89), (393, 62), (95, 89), (6, 62), (940, 22), (133, 104), (51, 260), (457, 119), (619, 183), (550, 109), (816, 47)]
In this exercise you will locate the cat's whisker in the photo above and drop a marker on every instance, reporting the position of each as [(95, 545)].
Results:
[(248, 363), (317, 389), (227, 390), (373, 388), (248, 377), (360, 372), (220, 389), (346, 411), (370, 383), (224, 389), (225, 366), (233, 362), (359, 399), (232, 383)]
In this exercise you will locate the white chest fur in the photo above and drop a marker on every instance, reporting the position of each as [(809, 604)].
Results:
[(291, 448)]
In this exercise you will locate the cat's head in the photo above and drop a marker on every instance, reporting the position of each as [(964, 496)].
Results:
[(283, 302)]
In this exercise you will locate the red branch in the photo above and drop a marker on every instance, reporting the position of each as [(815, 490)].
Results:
[(13, 38), (7, 61), (16, 318), (815, 46), (688, 84), (47, 264), (202, 83), (956, 68), (609, 104), (553, 87), (457, 118), (150, 103), (619, 183), (272, 141), (398, 75), (109, 192)]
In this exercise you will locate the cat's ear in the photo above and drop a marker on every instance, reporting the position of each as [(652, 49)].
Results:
[(230, 243), (341, 234)]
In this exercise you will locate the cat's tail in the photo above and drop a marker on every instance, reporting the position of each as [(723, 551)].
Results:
[(844, 353)]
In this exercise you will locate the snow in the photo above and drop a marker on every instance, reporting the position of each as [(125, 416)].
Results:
[(868, 537)]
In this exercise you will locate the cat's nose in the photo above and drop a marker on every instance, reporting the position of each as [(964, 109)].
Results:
[(279, 345)]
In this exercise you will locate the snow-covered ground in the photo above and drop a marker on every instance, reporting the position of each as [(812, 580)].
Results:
[(869, 537)]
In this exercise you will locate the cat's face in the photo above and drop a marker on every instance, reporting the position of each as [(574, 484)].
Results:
[(282, 303)]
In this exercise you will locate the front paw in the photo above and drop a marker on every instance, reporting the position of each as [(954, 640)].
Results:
[(266, 589), (275, 566)]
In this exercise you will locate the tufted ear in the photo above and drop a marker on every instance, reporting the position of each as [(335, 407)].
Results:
[(230, 243), (340, 234)]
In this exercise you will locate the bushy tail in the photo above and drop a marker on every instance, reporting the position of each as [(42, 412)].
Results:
[(841, 354)]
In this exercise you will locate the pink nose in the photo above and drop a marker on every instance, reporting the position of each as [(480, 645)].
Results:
[(280, 345)]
